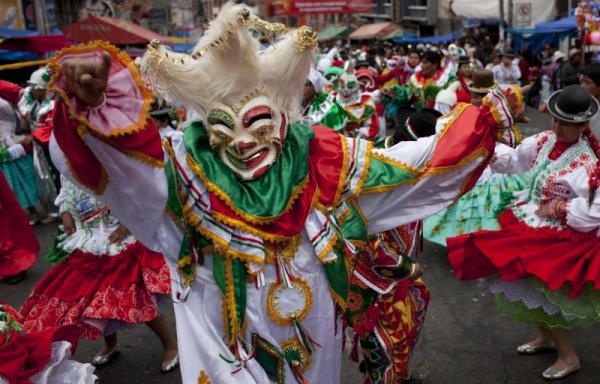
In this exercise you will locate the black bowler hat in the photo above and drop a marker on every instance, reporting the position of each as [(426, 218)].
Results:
[(412, 124), (160, 108), (573, 104), (464, 60)]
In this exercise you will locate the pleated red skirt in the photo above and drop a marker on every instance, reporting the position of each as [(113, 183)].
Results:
[(85, 287), (555, 256)]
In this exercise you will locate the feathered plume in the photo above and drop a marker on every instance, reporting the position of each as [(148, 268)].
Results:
[(226, 64)]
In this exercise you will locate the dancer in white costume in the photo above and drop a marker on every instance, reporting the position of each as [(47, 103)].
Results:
[(256, 214)]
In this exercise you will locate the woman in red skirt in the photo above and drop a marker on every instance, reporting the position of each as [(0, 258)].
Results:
[(546, 254), (107, 280), (18, 245)]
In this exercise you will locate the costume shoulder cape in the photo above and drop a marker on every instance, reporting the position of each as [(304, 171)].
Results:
[(310, 171)]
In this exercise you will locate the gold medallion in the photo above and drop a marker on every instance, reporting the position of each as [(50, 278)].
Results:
[(287, 304)]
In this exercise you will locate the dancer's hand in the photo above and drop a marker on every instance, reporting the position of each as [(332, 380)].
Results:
[(68, 223), (118, 234), (544, 211), (27, 140), (88, 79)]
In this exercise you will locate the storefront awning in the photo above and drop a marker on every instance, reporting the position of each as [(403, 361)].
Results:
[(333, 32), (35, 44), (116, 31), (373, 31)]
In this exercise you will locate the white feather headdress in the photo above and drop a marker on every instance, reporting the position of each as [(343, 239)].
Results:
[(227, 64)]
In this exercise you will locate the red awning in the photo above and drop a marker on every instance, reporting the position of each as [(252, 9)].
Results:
[(37, 44), (117, 31)]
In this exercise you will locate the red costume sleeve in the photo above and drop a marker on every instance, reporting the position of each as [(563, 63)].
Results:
[(380, 79), (10, 92), (42, 134)]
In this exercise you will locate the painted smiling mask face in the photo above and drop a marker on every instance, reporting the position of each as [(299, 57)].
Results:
[(247, 137), (348, 89)]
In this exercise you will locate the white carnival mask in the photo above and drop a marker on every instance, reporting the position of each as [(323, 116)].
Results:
[(247, 137), (348, 89)]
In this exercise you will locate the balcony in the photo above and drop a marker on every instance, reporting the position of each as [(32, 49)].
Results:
[(419, 11)]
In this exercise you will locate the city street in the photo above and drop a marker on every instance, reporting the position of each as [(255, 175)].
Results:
[(464, 339)]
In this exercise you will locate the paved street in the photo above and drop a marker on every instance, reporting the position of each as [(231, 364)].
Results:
[(464, 340)]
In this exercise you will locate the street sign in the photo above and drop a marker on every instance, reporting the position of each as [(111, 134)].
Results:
[(522, 15)]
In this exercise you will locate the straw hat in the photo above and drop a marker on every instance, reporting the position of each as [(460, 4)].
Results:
[(557, 56)]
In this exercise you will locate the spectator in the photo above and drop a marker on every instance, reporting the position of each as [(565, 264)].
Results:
[(524, 64), (495, 59), (507, 73), (590, 80), (571, 69), (555, 71)]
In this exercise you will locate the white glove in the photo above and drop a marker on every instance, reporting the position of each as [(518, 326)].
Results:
[(454, 87), (16, 151)]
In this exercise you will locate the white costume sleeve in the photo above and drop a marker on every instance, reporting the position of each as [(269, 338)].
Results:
[(413, 180), (515, 160), (581, 215), (132, 182)]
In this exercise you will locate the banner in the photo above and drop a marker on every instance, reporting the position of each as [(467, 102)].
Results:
[(10, 14), (304, 7), (526, 13)]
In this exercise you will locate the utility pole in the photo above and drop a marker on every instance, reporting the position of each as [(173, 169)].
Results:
[(39, 7), (510, 13), (501, 31)]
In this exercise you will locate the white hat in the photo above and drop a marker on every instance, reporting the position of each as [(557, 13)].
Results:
[(557, 56), (316, 79), (39, 79), (324, 64), (574, 51)]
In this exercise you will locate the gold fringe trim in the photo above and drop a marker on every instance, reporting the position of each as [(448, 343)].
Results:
[(337, 299), (366, 167), (182, 263), (245, 257), (396, 163), (518, 135), (344, 172), (220, 244), (256, 232), (116, 54), (482, 152), (428, 171), (194, 221), (294, 345), (457, 111), (519, 96), (227, 200), (328, 249), (230, 300)]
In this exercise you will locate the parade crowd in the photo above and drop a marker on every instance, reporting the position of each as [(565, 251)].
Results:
[(284, 216)]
